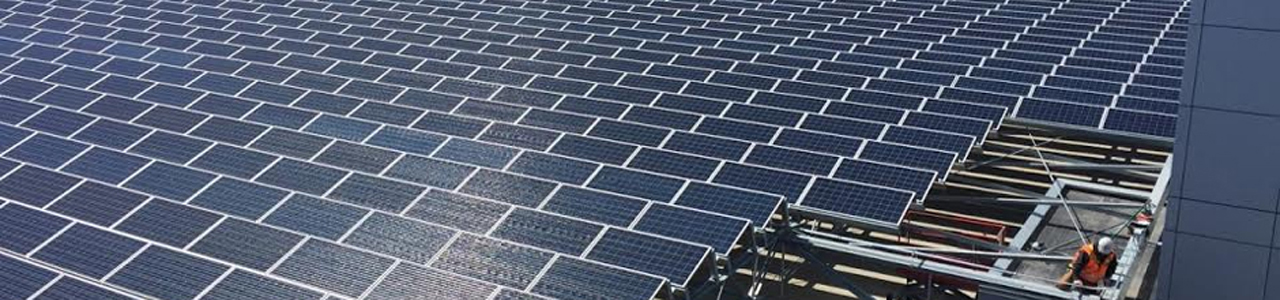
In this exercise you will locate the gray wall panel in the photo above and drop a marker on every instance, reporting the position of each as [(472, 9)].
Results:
[(1231, 223), (1231, 159), (1215, 269), (1259, 14), (1236, 69)]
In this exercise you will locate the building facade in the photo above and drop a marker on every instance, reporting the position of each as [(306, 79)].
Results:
[(1221, 238)]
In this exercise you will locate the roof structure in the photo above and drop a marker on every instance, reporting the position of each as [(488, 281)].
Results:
[(496, 149)]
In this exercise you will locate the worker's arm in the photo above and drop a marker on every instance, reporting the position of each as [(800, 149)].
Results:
[(1081, 260), (1111, 269)]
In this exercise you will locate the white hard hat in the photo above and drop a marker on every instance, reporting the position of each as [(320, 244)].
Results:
[(1104, 245)]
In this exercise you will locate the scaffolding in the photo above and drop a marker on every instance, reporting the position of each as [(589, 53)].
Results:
[(983, 260)]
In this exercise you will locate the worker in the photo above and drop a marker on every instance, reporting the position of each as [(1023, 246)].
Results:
[(1093, 264)]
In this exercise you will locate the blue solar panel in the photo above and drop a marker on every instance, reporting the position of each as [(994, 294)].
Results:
[(493, 260), (634, 183), (508, 188), (457, 211), (933, 160), (69, 289), (939, 140), (476, 153), (413, 282), (245, 285), (376, 192), (547, 231), (22, 279), (571, 277), (858, 200), (246, 244), (35, 186), (674, 260), (595, 206), (97, 203), (753, 206), (46, 151), (661, 99), (314, 216), (168, 223), (167, 274), (721, 232), (673, 163), (399, 237), (26, 228), (332, 267)]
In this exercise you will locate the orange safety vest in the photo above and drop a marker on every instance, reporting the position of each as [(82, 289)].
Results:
[(1093, 270)]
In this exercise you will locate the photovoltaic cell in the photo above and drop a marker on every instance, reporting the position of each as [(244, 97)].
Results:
[(638, 184), (169, 181), (595, 206), (168, 223), (493, 260), (670, 259), (927, 159), (399, 237), (376, 193), (70, 289), (547, 231), (22, 279), (753, 206), (88, 251), (335, 268), (413, 282), (167, 274), (458, 211), (46, 151), (246, 244), (245, 285), (35, 186), (26, 228), (96, 203), (857, 200), (551, 167), (720, 232), (571, 277)]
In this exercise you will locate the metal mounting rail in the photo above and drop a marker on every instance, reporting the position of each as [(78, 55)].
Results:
[(916, 260)]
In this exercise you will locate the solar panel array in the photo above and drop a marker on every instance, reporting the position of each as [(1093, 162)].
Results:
[(495, 149)]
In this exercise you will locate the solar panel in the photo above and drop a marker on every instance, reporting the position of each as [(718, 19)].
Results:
[(22, 279), (333, 267), (494, 261), (858, 200), (571, 277), (547, 231), (721, 232), (346, 149), (409, 281), (674, 260)]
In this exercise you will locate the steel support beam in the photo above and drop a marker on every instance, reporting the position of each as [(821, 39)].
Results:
[(1029, 228), (1133, 249), (916, 260), (1076, 166), (1094, 133), (1037, 201), (963, 252)]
